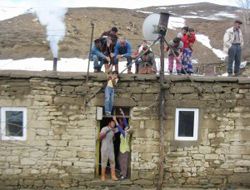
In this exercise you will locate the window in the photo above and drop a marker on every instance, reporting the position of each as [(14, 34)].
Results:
[(13, 123), (186, 124)]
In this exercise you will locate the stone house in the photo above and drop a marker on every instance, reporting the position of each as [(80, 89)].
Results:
[(50, 124)]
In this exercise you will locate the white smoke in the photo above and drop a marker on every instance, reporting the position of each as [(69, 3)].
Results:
[(51, 15)]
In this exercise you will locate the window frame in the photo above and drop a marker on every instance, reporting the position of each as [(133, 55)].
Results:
[(3, 123), (196, 124)]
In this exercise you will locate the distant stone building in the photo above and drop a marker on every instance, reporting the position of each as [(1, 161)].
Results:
[(50, 124)]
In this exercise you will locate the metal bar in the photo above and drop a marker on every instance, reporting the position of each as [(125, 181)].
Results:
[(90, 47)]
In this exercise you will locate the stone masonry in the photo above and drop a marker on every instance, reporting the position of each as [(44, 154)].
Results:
[(62, 131)]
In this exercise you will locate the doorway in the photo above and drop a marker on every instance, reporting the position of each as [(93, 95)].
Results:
[(116, 140)]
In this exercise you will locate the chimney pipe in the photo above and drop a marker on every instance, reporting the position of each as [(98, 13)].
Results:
[(55, 64)]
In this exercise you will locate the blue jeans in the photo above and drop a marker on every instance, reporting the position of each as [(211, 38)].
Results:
[(234, 55), (109, 99), (129, 61), (98, 62)]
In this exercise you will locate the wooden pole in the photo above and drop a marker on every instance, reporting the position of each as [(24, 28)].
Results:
[(162, 118), (90, 47)]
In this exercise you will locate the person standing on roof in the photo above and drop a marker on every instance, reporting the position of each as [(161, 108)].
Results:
[(233, 41), (188, 41), (174, 49)]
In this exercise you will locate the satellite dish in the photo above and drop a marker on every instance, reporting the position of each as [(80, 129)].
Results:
[(148, 27), (154, 25)]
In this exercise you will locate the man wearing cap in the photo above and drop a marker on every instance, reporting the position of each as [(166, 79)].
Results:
[(233, 41)]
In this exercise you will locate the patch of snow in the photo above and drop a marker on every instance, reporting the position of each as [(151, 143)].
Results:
[(193, 13), (195, 61), (183, 6), (225, 14), (243, 64), (63, 64), (67, 65), (199, 17), (145, 12), (162, 8), (176, 22), (7, 13), (206, 42)]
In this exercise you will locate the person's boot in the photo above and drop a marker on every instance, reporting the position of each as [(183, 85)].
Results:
[(113, 176), (103, 175)]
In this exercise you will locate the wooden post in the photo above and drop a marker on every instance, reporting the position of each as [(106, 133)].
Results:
[(162, 118), (90, 47)]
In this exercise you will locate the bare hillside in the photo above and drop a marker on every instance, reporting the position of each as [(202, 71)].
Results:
[(24, 37)]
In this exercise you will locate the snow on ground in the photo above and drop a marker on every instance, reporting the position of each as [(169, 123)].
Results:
[(200, 17), (145, 12), (176, 22), (206, 42), (64, 65), (193, 13), (225, 14), (217, 16)]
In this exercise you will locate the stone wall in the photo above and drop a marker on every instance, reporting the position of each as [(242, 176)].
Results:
[(60, 150)]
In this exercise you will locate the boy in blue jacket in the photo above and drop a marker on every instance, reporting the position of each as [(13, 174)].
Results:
[(123, 50)]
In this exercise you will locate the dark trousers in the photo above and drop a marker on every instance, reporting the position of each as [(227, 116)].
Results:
[(234, 55), (123, 160)]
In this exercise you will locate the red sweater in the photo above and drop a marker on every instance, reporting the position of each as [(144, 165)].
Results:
[(188, 40)]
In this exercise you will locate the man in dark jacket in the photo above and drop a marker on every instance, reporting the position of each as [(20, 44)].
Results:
[(112, 35)]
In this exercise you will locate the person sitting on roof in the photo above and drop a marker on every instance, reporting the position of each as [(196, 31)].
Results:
[(123, 50), (99, 53), (113, 37), (146, 62)]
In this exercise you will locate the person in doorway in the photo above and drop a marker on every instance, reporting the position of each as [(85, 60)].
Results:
[(233, 41), (110, 92), (107, 149), (124, 153), (174, 49), (99, 54), (123, 50)]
